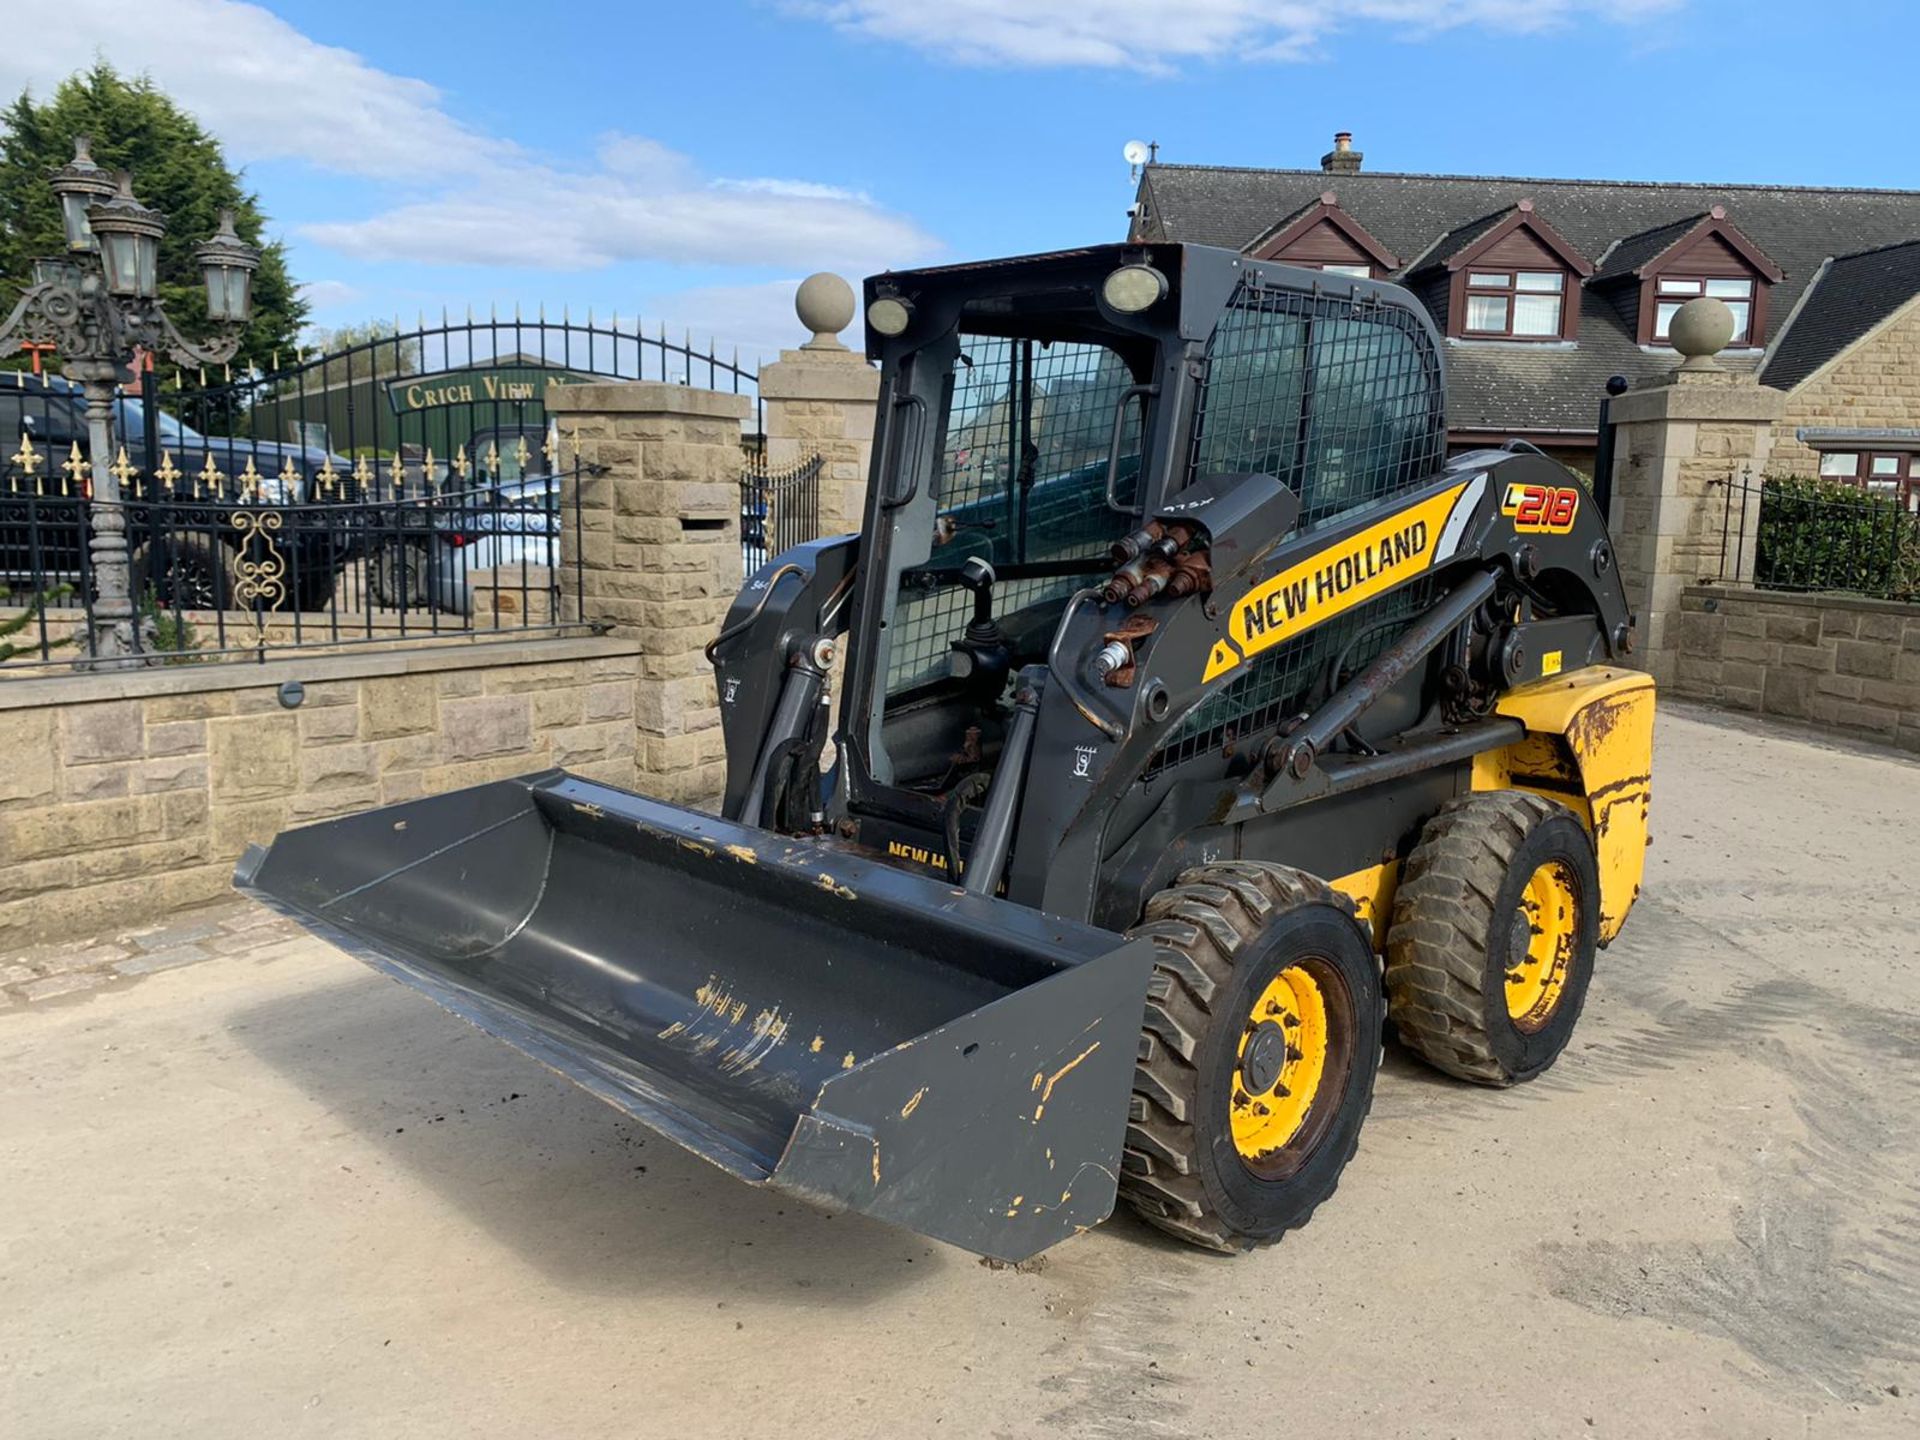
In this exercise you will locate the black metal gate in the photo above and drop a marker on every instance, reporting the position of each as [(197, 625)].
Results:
[(408, 485), (778, 509)]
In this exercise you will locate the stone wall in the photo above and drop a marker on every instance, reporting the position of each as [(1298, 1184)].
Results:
[(658, 558), (126, 797), (1842, 663), (1682, 437), (1874, 384)]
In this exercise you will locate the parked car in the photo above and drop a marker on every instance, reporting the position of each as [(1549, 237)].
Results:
[(185, 552), (506, 519)]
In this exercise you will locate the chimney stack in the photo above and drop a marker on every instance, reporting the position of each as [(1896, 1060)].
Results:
[(1343, 159)]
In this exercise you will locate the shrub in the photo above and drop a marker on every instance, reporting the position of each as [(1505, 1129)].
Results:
[(1827, 535)]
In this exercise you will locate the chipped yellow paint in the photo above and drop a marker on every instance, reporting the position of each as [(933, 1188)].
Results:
[(818, 1042), (672, 1030), (847, 1064), (743, 855), (913, 1104), (769, 1031), (876, 1164), (698, 847), (1371, 891), (739, 1012), (834, 887), (1592, 727), (1046, 1091)]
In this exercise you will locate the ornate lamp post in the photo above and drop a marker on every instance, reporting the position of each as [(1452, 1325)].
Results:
[(95, 304)]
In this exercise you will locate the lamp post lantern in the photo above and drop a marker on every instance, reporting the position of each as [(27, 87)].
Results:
[(95, 305)]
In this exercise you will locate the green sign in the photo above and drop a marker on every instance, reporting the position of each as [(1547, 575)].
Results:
[(411, 393)]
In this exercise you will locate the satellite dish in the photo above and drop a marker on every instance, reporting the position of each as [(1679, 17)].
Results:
[(1135, 152)]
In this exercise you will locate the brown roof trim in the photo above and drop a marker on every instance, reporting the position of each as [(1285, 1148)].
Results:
[(1714, 222), (1277, 238), (1522, 216)]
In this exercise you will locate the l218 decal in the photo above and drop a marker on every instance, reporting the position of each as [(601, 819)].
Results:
[(1541, 509)]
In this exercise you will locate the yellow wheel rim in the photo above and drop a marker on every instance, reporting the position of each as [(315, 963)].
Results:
[(1281, 1060), (1540, 950)]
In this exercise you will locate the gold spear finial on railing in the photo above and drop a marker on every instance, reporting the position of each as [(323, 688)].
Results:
[(250, 483), (124, 469), (289, 481), (397, 473), (520, 453), (426, 470), (493, 461), (26, 457), (461, 464), (327, 476), (75, 467), (550, 446), (167, 472), (215, 479), (363, 476)]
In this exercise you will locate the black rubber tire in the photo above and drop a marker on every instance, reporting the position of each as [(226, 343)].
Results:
[(1453, 914), (194, 572), (1223, 932), (397, 573)]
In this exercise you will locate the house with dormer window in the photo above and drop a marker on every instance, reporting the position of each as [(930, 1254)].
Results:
[(1545, 288)]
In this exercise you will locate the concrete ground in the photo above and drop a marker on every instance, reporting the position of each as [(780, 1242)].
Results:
[(272, 1194)]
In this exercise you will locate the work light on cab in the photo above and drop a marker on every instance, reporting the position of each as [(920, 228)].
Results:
[(1133, 288), (890, 316)]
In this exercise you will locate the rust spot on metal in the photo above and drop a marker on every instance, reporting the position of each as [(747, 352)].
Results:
[(1046, 1091), (913, 1104)]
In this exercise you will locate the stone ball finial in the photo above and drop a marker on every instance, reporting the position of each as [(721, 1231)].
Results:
[(1700, 330), (825, 305)]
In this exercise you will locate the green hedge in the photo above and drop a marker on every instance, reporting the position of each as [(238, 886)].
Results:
[(1828, 535)]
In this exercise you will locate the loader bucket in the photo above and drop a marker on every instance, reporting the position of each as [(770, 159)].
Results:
[(801, 1016)]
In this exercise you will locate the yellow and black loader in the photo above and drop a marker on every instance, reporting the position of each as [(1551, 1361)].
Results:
[(1200, 718)]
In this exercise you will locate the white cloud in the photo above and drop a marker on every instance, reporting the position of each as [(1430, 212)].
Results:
[(1156, 36), (647, 204), (329, 294), (270, 92)]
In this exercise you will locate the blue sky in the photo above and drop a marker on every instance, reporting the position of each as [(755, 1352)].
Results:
[(690, 162)]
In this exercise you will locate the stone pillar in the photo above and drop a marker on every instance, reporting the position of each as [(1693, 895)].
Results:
[(1682, 439), (656, 543), (821, 399)]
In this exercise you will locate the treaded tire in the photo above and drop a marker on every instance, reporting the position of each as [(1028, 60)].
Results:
[(1453, 927), (185, 572), (1224, 931)]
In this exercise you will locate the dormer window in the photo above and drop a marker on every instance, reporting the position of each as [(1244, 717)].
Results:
[(1652, 274), (1323, 237), (1673, 291), (1506, 276), (1515, 304)]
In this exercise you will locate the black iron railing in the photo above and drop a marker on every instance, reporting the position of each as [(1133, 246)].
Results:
[(778, 509), (249, 566), (1793, 533)]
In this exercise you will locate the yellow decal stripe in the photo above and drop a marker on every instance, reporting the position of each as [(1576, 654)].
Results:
[(1316, 589)]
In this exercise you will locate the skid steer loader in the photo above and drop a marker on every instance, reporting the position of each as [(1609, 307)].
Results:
[(1199, 717)]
